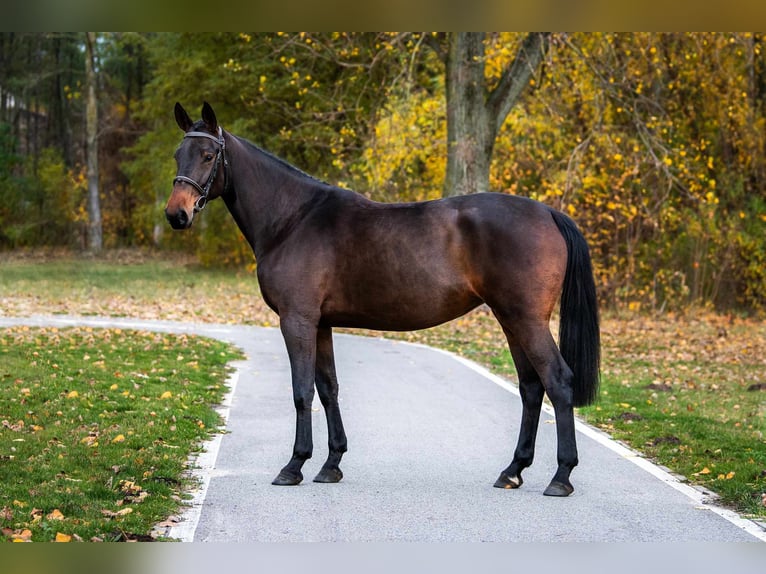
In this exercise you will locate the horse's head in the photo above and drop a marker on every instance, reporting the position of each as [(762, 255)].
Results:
[(202, 167)]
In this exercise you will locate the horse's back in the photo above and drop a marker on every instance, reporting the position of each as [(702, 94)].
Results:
[(415, 265)]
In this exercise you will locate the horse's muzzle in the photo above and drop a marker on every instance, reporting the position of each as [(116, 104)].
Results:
[(178, 218)]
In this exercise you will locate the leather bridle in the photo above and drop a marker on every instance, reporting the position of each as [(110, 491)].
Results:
[(220, 157)]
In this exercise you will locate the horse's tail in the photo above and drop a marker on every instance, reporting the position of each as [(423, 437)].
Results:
[(579, 334)]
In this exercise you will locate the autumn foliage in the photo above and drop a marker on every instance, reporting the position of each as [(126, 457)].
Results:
[(653, 142)]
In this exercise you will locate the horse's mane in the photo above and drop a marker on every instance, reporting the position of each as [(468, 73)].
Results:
[(200, 125), (284, 163)]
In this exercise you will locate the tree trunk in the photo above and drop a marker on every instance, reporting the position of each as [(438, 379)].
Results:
[(474, 113), (95, 234), (470, 137)]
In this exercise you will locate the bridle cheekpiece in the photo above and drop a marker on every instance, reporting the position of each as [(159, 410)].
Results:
[(220, 157)]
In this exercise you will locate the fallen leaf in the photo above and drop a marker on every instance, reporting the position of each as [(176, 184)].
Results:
[(118, 438), (72, 395), (111, 514), (22, 536), (56, 514), (166, 395), (63, 537)]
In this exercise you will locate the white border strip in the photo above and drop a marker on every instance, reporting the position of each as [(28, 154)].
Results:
[(698, 497), (204, 464)]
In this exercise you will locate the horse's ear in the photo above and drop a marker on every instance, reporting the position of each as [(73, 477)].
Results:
[(182, 118), (208, 116)]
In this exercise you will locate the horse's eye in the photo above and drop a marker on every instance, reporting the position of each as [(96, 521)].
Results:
[(208, 157)]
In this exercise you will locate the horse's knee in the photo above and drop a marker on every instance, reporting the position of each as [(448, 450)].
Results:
[(303, 402)]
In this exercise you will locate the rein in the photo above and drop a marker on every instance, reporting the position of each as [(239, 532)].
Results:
[(220, 156)]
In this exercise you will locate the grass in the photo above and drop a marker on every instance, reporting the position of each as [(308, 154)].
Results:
[(97, 428), (689, 394), (673, 387), (129, 286)]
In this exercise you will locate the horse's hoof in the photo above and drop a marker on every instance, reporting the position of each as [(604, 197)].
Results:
[(329, 475), (287, 479), (556, 488), (505, 481)]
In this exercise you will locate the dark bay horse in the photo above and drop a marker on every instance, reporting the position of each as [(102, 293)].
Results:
[(328, 257)]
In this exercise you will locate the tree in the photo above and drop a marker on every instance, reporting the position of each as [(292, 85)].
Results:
[(476, 112), (95, 232)]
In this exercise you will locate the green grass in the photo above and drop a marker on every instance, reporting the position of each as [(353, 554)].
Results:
[(686, 394), (153, 288), (710, 434), (97, 428)]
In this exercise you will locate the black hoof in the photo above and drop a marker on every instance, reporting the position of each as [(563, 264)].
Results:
[(557, 488), (329, 475), (505, 481), (287, 479)]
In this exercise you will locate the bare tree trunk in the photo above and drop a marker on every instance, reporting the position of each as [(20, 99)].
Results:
[(470, 137), (95, 233), (474, 113)]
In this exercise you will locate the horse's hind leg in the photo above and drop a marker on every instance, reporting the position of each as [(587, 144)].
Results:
[(535, 339), (327, 386), (532, 392)]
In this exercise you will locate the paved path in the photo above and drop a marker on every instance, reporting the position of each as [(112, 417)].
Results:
[(428, 434)]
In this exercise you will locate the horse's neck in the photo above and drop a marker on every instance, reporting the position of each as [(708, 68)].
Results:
[(267, 198)]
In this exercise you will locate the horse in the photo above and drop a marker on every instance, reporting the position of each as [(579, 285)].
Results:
[(329, 257)]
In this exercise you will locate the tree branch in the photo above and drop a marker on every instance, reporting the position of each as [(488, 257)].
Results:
[(516, 76)]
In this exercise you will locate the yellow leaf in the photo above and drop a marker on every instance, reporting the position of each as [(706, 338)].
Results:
[(72, 395), (118, 438), (166, 395), (56, 514), (705, 470), (23, 536), (63, 537), (113, 387), (90, 440)]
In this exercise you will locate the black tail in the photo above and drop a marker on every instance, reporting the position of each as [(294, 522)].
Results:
[(579, 334)]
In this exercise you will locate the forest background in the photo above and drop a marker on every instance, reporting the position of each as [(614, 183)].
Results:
[(654, 143)]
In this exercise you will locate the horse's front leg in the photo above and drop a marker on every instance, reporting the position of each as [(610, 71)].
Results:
[(327, 385), (300, 336)]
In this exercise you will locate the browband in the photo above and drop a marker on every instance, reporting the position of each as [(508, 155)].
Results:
[(218, 139)]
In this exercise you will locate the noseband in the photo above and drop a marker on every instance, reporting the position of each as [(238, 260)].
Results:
[(220, 156)]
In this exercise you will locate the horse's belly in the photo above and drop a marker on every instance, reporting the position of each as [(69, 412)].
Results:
[(397, 311)]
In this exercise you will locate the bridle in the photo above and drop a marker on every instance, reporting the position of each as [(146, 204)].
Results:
[(220, 157)]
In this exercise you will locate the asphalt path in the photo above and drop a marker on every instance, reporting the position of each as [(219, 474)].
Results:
[(428, 434)]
